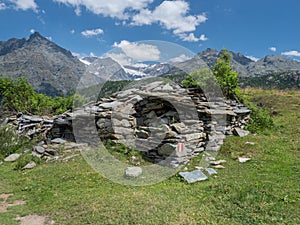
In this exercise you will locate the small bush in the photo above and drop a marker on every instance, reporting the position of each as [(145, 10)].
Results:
[(26, 100), (225, 75), (260, 119), (198, 78), (10, 142)]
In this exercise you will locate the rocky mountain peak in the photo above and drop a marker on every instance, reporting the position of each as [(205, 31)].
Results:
[(275, 58), (50, 68), (210, 51), (240, 58), (11, 45), (273, 64), (36, 39), (36, 36)]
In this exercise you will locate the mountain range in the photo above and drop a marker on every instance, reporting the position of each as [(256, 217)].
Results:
[(48, 67), (54, 70)]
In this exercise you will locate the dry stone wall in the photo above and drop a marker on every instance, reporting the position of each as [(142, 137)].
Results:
[(169, 124)]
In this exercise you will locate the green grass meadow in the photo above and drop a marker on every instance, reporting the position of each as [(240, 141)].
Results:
[(264, 190)]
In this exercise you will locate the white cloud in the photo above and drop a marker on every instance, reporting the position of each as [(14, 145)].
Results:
[(191, 37), (138, 51), (24, 4), (173, 15), (180, 58), (110, 8), (72, 31), (253, 58), (77, 11), (291, 53), (203, 37), (2, 6), (90, 33), (273, 49), (121, 58), (32, 31), (49, 38)]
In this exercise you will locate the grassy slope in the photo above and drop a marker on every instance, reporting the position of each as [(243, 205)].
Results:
[(264, 190)]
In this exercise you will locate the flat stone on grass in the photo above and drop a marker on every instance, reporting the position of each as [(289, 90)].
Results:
[(240, 132), (133, 172), (243, 159), (12, 157), (194, 176), (211, 171), (29, 165)]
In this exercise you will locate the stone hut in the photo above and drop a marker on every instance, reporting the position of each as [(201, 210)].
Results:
[(166, 122)]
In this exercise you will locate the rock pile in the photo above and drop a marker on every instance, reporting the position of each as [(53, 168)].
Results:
[(169, 124), (58, 150), (48, 127)]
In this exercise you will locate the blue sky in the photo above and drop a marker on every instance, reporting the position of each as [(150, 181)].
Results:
[(252, 27)]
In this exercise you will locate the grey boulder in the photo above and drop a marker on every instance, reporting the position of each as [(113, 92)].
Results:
[(12, 157), (194, 176), (29, 165), (133, 172)]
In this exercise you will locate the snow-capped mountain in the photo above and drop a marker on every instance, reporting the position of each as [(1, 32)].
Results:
[(146, 71), (108, 69)]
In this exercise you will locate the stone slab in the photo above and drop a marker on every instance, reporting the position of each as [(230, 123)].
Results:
[(194, 176)]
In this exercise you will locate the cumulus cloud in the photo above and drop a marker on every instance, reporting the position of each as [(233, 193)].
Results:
[(72, 31), (24, 4), (291, 53), (253, 58), (173, 15), (138, 51), (180, 58), (2, 6), (77, 11), (93, 32), (121, 58), (191, 37), (110, 8), (203, 37), (273, 49), (32, 31)]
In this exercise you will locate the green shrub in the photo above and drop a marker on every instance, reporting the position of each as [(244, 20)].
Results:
[(197, 78), (11, 142), (226, 77), (19, 96), (228, 81), (260, 119)]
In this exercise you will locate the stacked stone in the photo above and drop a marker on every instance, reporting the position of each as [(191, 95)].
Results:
[(49, 127), (169, 124), (30, 125)]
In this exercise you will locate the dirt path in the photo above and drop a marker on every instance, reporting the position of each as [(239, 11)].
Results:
[(4, 205), (26, 220), (34, 220)]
